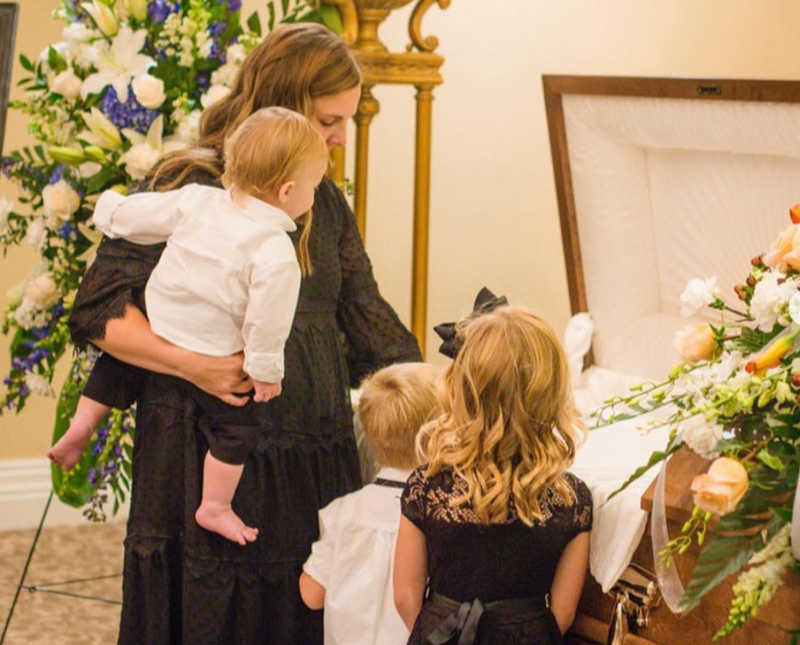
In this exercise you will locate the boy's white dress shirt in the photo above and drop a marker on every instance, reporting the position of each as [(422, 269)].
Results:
[(353, 559), (228, 278)]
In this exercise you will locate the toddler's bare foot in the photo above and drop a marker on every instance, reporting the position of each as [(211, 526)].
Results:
[(221, 519), (68, 450)]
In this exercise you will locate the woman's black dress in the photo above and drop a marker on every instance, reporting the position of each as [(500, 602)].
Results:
[(468, 560), (183, 584)]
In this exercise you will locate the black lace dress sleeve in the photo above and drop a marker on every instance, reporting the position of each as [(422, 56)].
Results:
[(412, 501), (582, 511), (375, 336)]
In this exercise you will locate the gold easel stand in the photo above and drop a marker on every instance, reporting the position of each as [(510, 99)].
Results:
[(417, 66)]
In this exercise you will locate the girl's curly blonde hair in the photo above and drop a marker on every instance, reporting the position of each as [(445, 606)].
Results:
[(509, 428)]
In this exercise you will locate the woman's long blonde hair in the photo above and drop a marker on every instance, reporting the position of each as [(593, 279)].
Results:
[(509, 428), (294, 65)]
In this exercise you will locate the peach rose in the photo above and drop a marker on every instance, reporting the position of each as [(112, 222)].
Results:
[(694, 342), (720, 489), (785, 250)]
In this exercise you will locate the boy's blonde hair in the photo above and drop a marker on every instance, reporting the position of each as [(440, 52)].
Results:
[(268, 149), (395, 402), (508, 426)]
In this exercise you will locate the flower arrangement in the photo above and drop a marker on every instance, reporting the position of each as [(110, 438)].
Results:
[(735, 399), (126, 85)]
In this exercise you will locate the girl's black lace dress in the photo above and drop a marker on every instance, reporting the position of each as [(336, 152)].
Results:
[(183, 584), (510, 562)]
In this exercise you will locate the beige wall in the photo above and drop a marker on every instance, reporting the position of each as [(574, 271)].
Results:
[(494, 219)]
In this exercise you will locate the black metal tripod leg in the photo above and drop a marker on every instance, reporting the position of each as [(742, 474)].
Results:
[(25, 568)]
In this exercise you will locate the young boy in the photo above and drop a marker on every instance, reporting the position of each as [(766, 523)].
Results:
[(349, 571)]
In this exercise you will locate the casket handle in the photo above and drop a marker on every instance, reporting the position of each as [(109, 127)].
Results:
[(709, 90)]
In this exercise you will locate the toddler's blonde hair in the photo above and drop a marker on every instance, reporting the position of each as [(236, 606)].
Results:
[(508, 427), (395, 402), (268, 149)]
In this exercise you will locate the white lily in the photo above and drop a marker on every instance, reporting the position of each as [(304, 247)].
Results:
[(103, 17), (102, 132), (147, 150), (119, 64)]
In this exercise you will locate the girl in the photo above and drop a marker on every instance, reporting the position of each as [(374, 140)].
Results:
[(493, 525), (182, 583), (235, 238)]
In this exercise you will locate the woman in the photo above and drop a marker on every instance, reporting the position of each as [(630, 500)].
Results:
[(181, 583)]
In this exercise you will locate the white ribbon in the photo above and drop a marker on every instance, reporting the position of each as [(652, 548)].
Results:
[(668, 579), (796, 522)]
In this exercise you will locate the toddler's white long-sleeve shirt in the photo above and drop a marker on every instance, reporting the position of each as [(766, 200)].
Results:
[(228, 278)]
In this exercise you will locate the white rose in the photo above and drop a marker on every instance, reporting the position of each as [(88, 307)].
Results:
[(214, 94), (700, 435), (235, 54), (67, 84), (697, 294), (60, 200), (149, 91), (6, 206), (37, 233), (139, 160), (188, 129), (225, 75), (42, 291)]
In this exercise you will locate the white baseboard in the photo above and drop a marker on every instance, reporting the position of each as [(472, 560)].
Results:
[(24, 487)]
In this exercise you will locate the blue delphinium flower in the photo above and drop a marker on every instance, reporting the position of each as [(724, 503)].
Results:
[(6, 167), (130, 114), (217, 29), (66, 231), (234, 5), (159, 10), (202, 81), (55, 176)]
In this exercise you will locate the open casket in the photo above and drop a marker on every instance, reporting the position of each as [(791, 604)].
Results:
[(660, 181)]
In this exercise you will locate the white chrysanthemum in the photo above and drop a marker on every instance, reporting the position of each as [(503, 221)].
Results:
[(78, 32), (700, 435), (38, 384), (697, 294), (769, 298), (225, 75), (149, 91), (188, 129)]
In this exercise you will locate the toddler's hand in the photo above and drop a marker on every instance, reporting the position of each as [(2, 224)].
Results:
[(265, 391)]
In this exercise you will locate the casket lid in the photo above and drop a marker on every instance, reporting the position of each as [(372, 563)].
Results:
[(661, 180)]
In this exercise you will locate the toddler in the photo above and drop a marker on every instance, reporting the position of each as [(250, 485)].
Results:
[(349, 570)]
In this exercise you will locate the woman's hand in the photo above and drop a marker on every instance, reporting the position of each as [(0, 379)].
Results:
[(220, 376), (130, 339)]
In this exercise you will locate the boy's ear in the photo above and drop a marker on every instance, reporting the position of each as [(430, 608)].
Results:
[(284, 191)]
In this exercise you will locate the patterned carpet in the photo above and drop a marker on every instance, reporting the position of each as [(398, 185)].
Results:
[(63, 553)]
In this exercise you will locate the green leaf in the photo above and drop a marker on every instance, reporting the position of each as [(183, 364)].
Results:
[(284, 6), (56, 61), (103, 178), (655, 458), (724, 556), (331, 17), (785, 514), (25, 62), (254, 23), (271, 11), (770, 460)]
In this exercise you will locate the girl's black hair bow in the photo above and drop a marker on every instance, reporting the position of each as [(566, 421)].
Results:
[(485, 302)]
